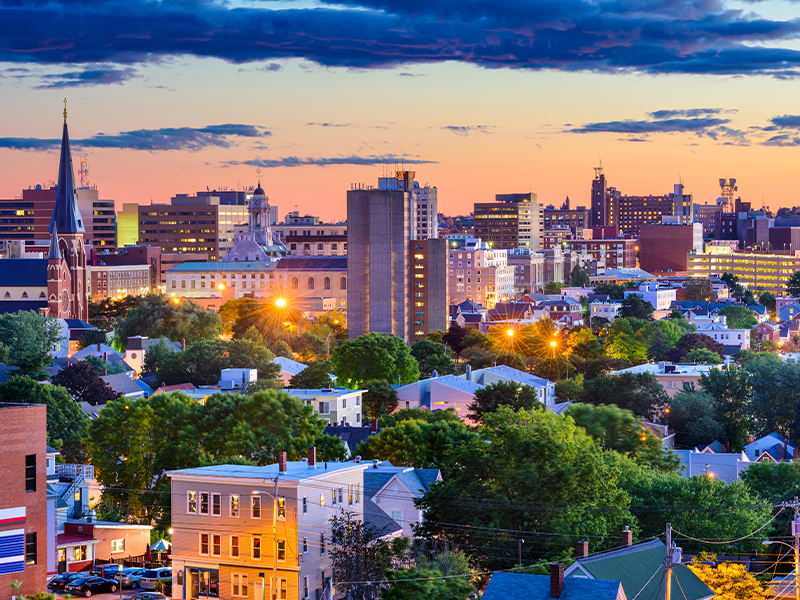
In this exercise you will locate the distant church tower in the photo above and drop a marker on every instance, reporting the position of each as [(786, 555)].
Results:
[(67, 296)]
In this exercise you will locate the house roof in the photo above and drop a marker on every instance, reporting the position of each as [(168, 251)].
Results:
[(473, 317), (74, 539), (93, 351), (560, 407), (175, 388), (143, 386), (295, 471), (467, 306), (373, 515), (8, 307), (289, 365), (312, 263), (521, 586), (120, 383), (351, 436), (417, 481), (514, 310), (634, 567), (24, 272), (514, 374)]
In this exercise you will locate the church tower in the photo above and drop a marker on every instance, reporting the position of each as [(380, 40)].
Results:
[(67, 296)]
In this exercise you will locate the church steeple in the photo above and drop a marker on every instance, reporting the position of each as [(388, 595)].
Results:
[(66, 216), (54, 251)]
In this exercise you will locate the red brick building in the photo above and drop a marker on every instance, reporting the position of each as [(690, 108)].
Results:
[(664, 248), (23, 497)]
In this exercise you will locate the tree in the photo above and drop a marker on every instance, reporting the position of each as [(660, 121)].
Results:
[(703, 356), (614, 291), (431, 357), (729, 581), (524, 465), (659, 347), (159, 316), (155, 356), (282, 348), (90, 338), (775, 482), (578, 277), (84, 384), (374, 356), (731, 389), (414, 583), (28, 340), (379, 398), (694, 419), (767, 299), (693, 341), (418, 414), (569, 389), (454, 337), (697, 289), (793, 285), (619, 430), (315, 376), (738, 317), (104, 367), (358, 554), (553, 287), (622, 342), (639, 393), (776, 394), (66, 422), (636, 307), (105, 313), (503, 393)]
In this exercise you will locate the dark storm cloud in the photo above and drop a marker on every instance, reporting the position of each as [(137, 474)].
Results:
[(785, 122), (365, 161), (169, 138), (651, 126), (88, 77), (649, 36)]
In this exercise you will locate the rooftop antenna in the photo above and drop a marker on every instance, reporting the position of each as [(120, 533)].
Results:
[(258, 171), (83, 171)]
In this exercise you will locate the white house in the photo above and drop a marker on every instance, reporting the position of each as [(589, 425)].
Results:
[(439, 393), (336, 405), (289, 368), (660, 298), (546, 389), (725, 466), (719, 332)]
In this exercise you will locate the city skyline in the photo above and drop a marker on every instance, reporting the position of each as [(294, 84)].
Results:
[(707, 97)]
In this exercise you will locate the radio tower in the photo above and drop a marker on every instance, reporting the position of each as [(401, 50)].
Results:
[(83, 171)]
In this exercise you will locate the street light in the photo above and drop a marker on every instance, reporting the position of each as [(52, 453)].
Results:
[(510, 333), (280, 302), (796, 549)]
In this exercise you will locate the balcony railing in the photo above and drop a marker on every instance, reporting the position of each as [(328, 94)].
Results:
[(75, 471)]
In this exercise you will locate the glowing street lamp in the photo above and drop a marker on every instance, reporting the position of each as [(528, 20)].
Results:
[(280, 302), (510, 333)]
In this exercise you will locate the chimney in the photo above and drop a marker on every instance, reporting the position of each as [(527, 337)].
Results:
[(183, 344), (581, 550), (469, 372), (373, 426), (344, 423), (282, 462), (556, 580), (98, 346), (435, 374), (105, 372), (627, 537), (312, 457), (357, 460), (105, 355)]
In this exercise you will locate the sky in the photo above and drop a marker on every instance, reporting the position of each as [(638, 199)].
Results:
[(478, 97)]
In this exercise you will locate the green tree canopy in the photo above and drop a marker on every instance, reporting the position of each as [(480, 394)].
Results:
[(703, 356), (697, 289), (639, 393), (315, 376), (156, 355), (513, 395), (380, 398), (776, 394), (793, 285), (553, 287), (431, 357), (768, 300), (731, 389), (739, 317), (578, 277), (66, 422), (159, 316), (27, 340), (104, 367), (90, 338), (414, 583), (694, 419), (84, 384), (419, 414), (636, 307), (374, 356), (614, 291)]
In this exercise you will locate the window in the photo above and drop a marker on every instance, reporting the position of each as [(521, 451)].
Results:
[(239, 585), (282, 550), (350, 495), (256, 547), (216, 505), (283, 589), (281, 508), (333, 497), (295, 283), (80, 553), (322, 543), (311, 283), (341, 492), (216, 545), (203, 503), (235, 506), (234, 546), (256, 507), (322, 499), (204, 582), (192, 503), (343, 283), (30, 473), (305, 544), (305, 586), (204, 544), (30, 548), (326, 283), (397, 516), (357, 493), (118, 545), (305, 505)]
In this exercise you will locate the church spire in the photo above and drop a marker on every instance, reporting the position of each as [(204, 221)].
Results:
[(66, 216), (54, 251)]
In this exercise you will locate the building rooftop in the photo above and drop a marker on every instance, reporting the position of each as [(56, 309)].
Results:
[(664, 369), (221, 267), (295, 470), (289, 365), (23, 272), (521, 586), (323, 393)]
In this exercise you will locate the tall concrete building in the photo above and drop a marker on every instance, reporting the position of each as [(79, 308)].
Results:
[(424, 203), (600, 207), (428, 283), (379, 227), (512, 221), (665, 247)]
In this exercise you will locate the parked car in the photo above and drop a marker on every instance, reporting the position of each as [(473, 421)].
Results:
[(149, 596), (60, 581), (106, 571), (130, 576), (86, 586), (152, 576)]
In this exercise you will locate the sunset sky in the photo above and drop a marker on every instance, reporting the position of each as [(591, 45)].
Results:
[(477, 96)]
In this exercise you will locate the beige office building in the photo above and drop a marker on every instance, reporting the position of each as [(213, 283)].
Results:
[(759, 271)]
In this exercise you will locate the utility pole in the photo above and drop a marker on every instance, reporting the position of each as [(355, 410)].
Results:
[(520, 541), (795, 506), (668, 564)]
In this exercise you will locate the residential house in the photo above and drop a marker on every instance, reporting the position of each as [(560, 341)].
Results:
[(236, 380), (352, 436), (706, 308), (24, 529), (660, 297), (289, 368), (565, 311), (576, 293), (662, 432), (137, 347), (771, 448), (334, 405), (72, 330), (225, 543), (98, 351), (521, 586), (640, 568), (671, 376), (123, 385), (468, 314), (725, 466), (510, 313), (768, 331), (782, 301), (490, 375), (394, 489), (469, 320), (789, 312), (115, 541), (76, 547), (733, 339), (601, 305), (178, 387), (439, 393)]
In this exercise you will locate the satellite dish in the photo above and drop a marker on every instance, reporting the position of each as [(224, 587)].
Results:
[(722, 200), (721, 182), (736, 188), (733, 181)]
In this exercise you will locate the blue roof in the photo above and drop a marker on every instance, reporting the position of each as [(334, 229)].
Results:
[(13, 306), (24, 272), (312, 263), (520, 586), (295, 470), (221, 267)]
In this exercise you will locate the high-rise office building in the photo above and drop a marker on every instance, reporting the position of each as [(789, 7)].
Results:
[(512, 221), (424, 203), (99, 218), (600, 206), (629, 213), (378, 234), (427, 276)]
